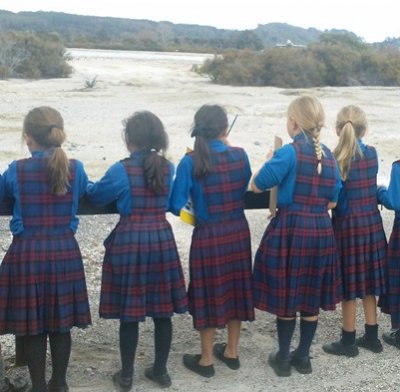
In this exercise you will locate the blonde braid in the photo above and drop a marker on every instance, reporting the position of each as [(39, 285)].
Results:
[(315, 134)]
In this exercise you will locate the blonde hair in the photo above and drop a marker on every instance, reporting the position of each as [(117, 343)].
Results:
[(309, 116), (46, 127), (351, 124)]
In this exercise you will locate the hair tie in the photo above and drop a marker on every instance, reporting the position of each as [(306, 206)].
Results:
[(50, 128), (200, 131), (348, 122), (153, 150)]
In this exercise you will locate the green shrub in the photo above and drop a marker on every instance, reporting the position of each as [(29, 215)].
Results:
[(338, 59), (34, 56)]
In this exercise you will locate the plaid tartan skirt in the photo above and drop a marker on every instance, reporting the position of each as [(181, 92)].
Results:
[(42, 286), (220, 288), (390, 302), (142, 274), (361, 245), (296, 266)]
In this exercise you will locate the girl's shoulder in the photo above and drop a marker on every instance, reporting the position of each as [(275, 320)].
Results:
[(370, 152), (236, 148), (76, 164), (368, 147), (396, 163)]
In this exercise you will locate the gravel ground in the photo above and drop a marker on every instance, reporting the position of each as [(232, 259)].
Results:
[(165, 84), (95, 355)]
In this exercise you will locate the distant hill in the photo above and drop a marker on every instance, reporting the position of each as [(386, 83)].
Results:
[(132, 34)]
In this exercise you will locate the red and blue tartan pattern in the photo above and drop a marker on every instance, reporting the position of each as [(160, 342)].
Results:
[(40, 208), (142, 274), (359, 231), (42, 281), (220, 288), (296, 267), (390, 301), (360, 188), (226, 184)]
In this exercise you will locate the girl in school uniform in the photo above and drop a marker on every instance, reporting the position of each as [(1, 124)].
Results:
[(390, 302), (42, 282), (215, 177), (359, 233), (142, 274), (296, 267)]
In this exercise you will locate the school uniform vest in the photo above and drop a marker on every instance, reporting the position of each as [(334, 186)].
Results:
[(313, 192), (42, 211), (145, 203), (360, 187), (224, 187)]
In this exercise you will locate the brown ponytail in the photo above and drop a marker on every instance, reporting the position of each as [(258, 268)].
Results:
[(46, 126), (210, 122)]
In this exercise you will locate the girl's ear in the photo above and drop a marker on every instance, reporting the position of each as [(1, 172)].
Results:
[(28, 139)]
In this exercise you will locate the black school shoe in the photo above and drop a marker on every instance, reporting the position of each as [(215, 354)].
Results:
[(301, 364), (191, 362), (57, 388), (163, 380), (392, 338), (123, 383), (374, 345), (338, 348), (219, 352), (281, 366)]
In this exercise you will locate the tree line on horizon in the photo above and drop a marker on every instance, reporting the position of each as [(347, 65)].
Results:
[(79, 31)]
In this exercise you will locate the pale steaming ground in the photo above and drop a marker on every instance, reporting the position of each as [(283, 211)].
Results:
[(166, 85)]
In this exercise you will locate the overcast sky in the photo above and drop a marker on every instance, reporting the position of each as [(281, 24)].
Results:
[(372, 20)]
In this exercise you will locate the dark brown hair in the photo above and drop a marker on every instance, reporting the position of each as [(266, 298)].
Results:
[(144, 131), (210, 122), (46, 127)]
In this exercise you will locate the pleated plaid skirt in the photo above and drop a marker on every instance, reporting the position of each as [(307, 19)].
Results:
[(390, 302), (361, 243), (220, 288), (42, 286), (296, 267), (142, 274)]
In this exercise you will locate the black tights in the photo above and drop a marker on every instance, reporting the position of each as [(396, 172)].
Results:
[(128, 340), (36, 347)]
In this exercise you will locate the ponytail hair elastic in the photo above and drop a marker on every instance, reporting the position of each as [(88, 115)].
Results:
[(50, 128), (200, 131), (348, 122)]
